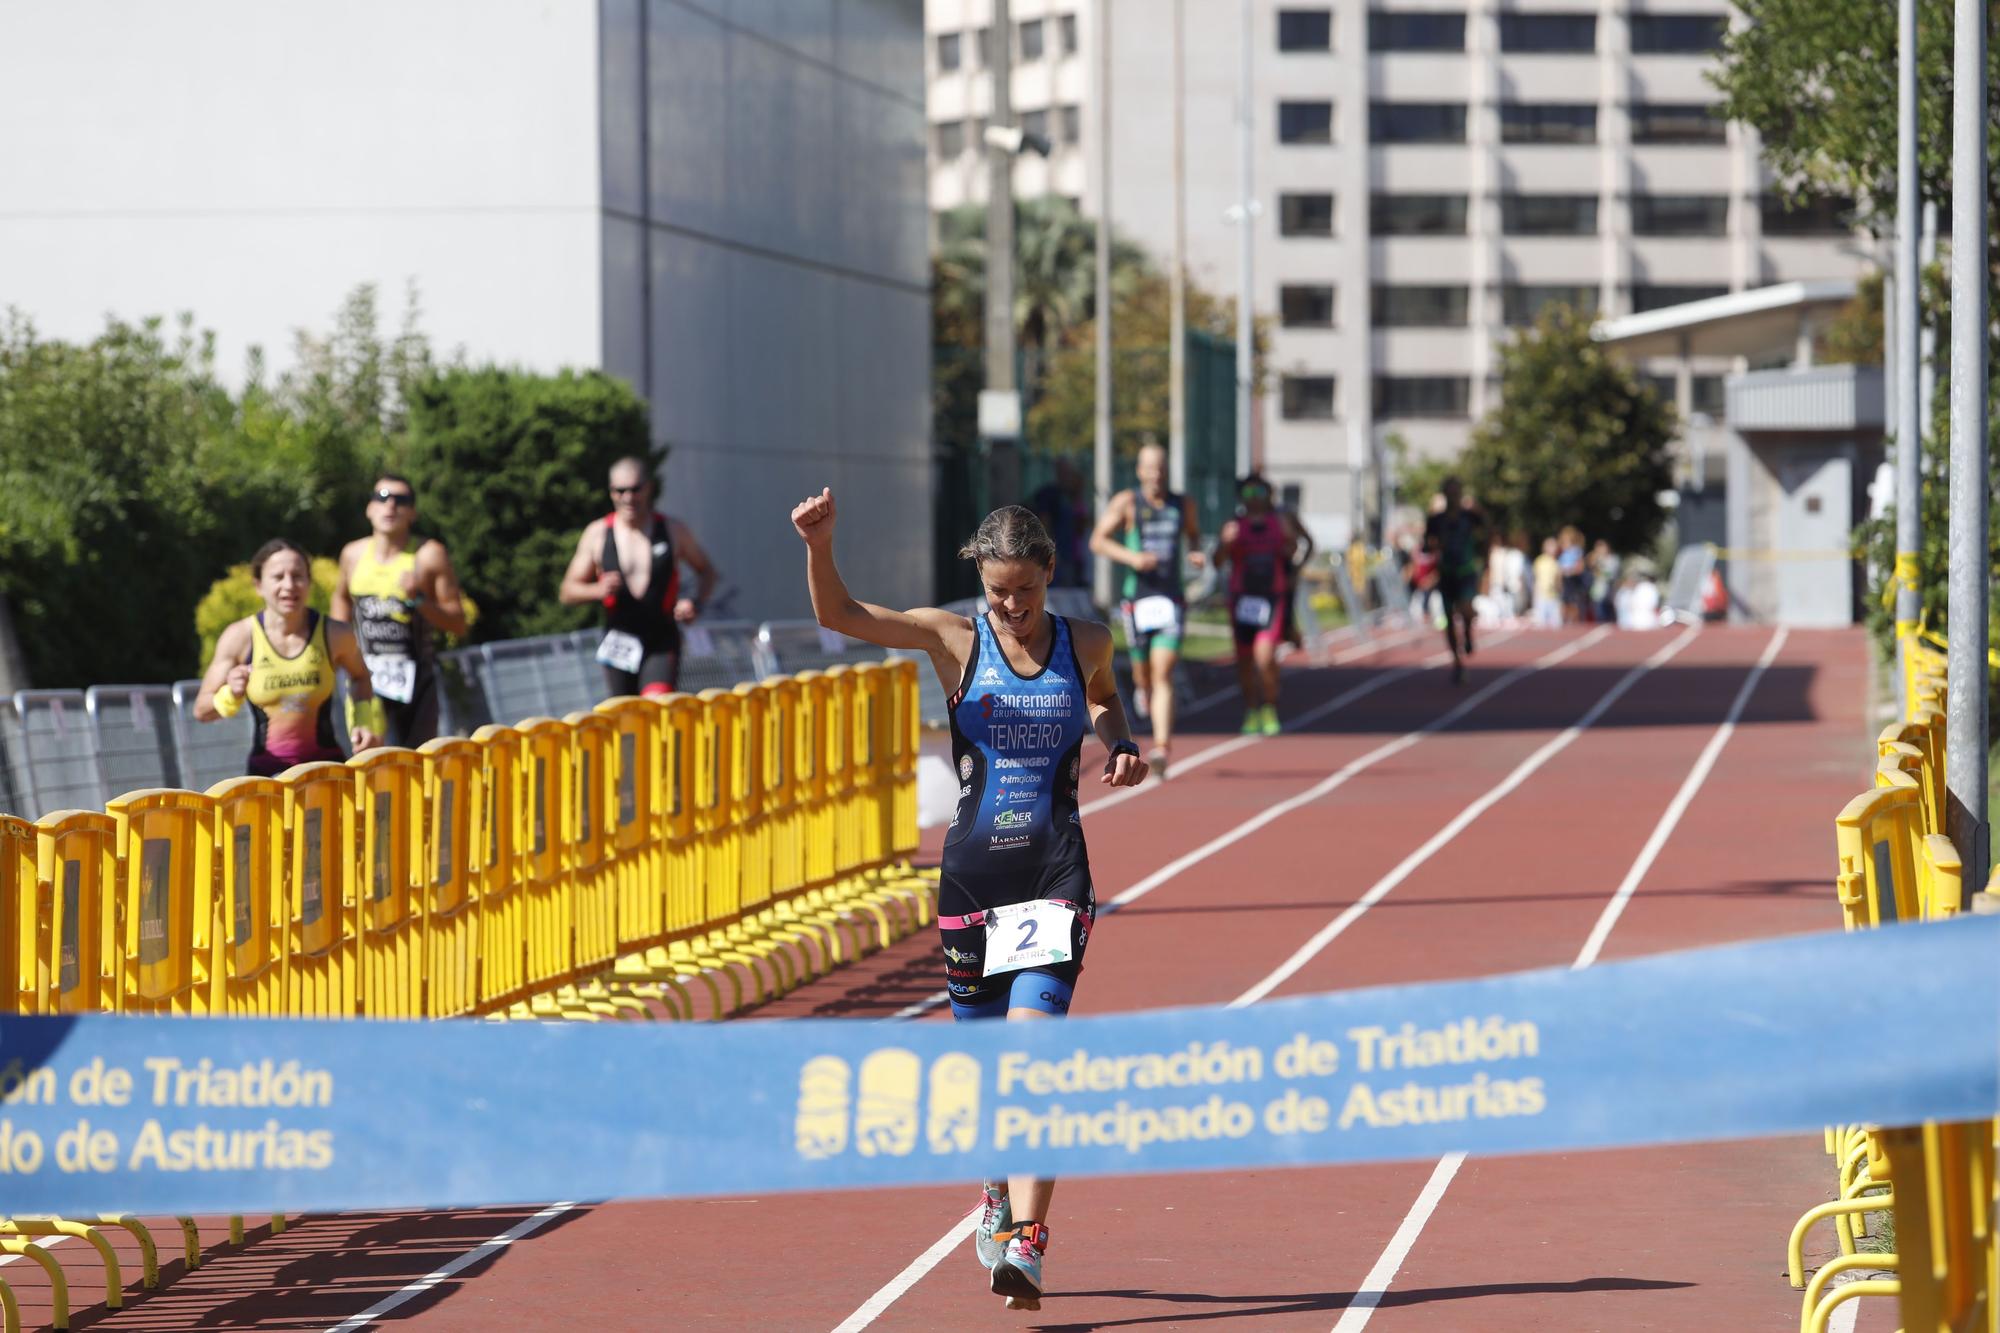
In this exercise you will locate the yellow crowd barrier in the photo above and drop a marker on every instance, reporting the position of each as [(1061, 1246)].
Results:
[(1896, 864), (652, 858)]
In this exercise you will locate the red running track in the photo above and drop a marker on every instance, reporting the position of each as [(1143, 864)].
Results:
[(1544, 823)]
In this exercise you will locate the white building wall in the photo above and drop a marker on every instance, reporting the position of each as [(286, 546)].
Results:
[(251, 163)]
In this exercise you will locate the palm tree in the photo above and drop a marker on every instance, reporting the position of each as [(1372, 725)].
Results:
[(1055, 275)]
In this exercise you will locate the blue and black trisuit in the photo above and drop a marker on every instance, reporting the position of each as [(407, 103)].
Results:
[(1017, 743)]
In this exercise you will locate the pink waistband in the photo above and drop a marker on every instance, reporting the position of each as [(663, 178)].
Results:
[(979, 918)]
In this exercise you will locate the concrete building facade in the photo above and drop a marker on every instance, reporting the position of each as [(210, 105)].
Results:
[(1428, 175), (723, 201)]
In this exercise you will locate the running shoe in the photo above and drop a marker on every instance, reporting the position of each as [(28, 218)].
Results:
[(1018, 1275), (1156, 765), (1253, 721), (1269, 724), (995, 1216)]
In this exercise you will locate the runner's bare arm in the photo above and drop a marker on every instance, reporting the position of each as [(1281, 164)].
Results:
[(1092, 641), (442, 605), (1300, 538), (231, 668), (946, 637), (1225, 540), (1110, 526), (580, 582), (345, 650), (1191, 534), (694, 555), (342, 606)]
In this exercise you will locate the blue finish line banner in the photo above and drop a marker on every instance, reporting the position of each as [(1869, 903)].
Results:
[(1893, 1026)]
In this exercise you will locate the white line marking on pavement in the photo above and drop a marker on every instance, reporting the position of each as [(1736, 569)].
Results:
[(1526, 769), (1379, 1278), (930, 1258), (423, 1284)]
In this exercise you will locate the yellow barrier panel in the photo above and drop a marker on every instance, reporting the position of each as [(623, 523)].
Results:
[(546, 778), (68, 948), (389, 804), (872, 764), (638, 863), (679, 716), (750, 747), (816, 797), (322, 973), (718, 843), (170, 918), (1875, 837), (593, 875), (448, 896), (783, 790), (841, 769), (503, 866), (905, 735), (21, 912), (249, 971)]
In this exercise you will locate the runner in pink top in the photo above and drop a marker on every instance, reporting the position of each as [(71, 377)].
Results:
[(1259, 547)]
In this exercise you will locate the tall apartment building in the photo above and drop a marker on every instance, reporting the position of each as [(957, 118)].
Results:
[(1428, 176)]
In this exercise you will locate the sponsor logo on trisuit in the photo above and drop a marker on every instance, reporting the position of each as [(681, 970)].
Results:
[(1013, 819)]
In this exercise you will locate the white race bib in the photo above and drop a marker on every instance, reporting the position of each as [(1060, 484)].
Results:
[(1153, 614), (1032, 934), (621, 651), (395, 677), (1253, 611)]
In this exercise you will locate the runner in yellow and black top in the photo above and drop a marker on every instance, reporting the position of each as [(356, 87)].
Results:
[(395, 589), (1150, 530), (281, 661)]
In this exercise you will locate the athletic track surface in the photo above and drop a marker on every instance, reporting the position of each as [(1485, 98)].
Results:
[(1581, 797)]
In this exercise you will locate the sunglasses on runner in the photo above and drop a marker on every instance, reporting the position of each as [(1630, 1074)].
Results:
[(628, 490), (395, 497)]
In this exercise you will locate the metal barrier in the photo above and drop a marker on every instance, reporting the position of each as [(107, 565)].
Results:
[(59, 764), (208, 752), (515, 675), (132, 731), (786, 646), (718, 655)]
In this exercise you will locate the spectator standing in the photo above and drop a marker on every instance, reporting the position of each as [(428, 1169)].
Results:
[(1548, 586), (1576, 578)]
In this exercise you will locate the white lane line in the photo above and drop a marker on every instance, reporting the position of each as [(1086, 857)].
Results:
[(1379, 1278), (1526, 769), (891, 1291), (1669, 821), (423, 1284), (1241, 831), (914, 1273)]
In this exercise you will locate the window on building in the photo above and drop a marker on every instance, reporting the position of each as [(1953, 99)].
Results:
[(1305, 30), (1710, 397), (1034, 40), (1548, 214), (1548, 122), (1663, 386), (1416, 307), (1417, 215), (1035, 123), (1658, 296), (1070, 121), (1678, 122), (1305, 306), (1416, 122), (1548, 34), (950, 139), (1422, 396), (1066, 33), (1305, 122), (948, 55), (1822, 215), (1523, 304), (1305, 215), (1680, 214), (1307, 397), (1677, 34), (1415, 32), (983, 41)]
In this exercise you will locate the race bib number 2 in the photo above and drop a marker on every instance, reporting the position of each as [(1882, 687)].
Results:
[(1253, 611), (621, 651), (1032, 934), (1150, 615), (395, 678)]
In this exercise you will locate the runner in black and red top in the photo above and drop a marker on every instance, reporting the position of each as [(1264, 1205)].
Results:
[(630, 562)]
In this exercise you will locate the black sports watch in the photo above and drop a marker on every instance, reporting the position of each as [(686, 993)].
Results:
[(1124, 747)]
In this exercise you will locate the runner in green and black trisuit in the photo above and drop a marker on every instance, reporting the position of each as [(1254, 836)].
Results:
[(1457, 535), (1150, 530)]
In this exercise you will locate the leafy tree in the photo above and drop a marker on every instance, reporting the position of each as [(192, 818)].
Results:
[(1855, 335), (509, 466), (1575, 439)]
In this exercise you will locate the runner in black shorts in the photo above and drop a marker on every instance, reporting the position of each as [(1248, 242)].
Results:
[(1456, 534), (630, 561), (1014, 901)]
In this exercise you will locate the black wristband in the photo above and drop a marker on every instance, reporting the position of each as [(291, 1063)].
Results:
[(1124, 747)]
